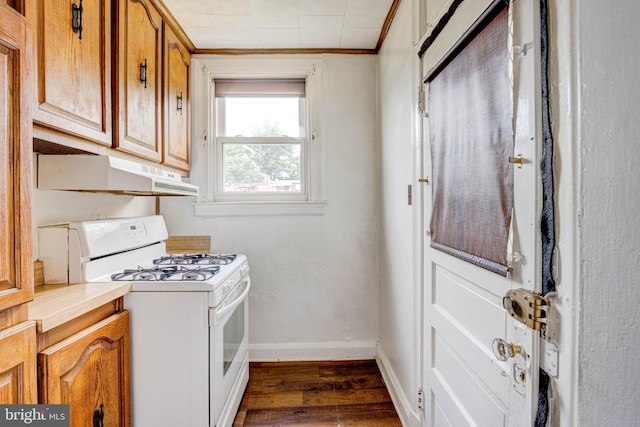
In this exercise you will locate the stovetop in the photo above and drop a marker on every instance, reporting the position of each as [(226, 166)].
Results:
[(190, 273), (171, 268)]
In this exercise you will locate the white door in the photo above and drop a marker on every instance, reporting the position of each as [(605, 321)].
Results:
[(464, 383)]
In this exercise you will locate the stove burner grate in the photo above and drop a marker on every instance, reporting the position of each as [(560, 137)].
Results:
[(196, 259), (167, 273)]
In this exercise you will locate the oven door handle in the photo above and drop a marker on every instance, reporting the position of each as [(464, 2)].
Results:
[(231, 305)]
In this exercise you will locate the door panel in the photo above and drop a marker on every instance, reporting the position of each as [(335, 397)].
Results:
[(465, 384), (139, 71), (468, 392), (90, 372), (177, 61), (16, 252), (74, 68), (18, 365)]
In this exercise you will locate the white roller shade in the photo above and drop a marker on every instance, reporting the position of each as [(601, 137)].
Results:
[(253, 88)]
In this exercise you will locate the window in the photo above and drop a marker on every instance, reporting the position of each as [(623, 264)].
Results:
[(261, 139), (266, 151)]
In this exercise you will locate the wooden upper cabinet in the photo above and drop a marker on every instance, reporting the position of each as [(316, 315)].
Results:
[(137, 108), (18, 364), (73, 45), (90, 372), (177, 60), (16, 251)]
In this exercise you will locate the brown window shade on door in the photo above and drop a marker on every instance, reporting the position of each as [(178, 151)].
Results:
[(471, 138)]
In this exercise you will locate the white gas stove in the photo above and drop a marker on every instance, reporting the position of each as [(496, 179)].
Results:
[(189, 315)]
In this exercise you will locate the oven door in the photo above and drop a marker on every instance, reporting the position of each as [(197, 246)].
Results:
[(229, 362)]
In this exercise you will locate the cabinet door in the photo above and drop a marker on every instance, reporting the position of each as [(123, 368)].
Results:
[(90, 372), (18, 364), (73, 44), (177, 148), (139, 68), (16, 257)]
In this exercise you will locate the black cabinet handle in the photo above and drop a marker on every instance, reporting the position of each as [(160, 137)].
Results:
[(76, 21), (143, 73), (98, 417), (179, 102)]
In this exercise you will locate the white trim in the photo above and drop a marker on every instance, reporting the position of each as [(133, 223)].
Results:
[(258, 208), (338, 350), (404, 407)]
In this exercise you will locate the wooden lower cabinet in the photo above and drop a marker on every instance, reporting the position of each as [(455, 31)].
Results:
[(90, 372), (18, 364)]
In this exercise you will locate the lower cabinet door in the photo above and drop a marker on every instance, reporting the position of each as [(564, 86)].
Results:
[(17, 364), (90, 372)]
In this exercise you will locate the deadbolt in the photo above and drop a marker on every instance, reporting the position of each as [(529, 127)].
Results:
[(527, 307)]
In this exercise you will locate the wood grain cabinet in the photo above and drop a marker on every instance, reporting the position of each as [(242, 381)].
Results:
[(16, 257), (177, 61), (73, 50), (17, 336), (139, 79), (90, 372), (110, 74), (18, 364)]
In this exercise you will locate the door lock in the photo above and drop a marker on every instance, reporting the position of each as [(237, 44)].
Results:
[(503, 350), (527, 307)]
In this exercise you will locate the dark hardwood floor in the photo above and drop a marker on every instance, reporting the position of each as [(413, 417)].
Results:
[(316, 394)]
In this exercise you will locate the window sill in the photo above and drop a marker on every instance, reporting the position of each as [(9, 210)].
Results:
[(210, 209)]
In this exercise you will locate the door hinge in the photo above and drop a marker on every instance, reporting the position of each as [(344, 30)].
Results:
[(420, 399), (527, 307)]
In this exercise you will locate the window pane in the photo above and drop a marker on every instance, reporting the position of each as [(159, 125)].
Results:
[(261, 167), (260, 117)]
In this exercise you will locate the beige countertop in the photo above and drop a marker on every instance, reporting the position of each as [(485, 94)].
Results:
[(54, 305)]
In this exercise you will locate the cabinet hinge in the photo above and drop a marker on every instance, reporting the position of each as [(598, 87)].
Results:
[(529, 308)]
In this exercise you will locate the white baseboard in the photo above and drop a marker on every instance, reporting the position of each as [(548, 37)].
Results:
[(403, 404), (312, 351)]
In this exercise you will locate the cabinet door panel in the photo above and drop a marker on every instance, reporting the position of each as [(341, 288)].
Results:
[(139, 79), (90, 372), (74, 68), (16, 265), (176, 102), (17, 364)]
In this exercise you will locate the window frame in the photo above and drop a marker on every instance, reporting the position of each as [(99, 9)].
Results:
[(221, 195), (206, 68)]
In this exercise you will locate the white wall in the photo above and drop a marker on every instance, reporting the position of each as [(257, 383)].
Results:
[(314, 278), (400, 296), (609, 229)]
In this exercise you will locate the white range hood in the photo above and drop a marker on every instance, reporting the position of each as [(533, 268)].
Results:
[(80, 172)]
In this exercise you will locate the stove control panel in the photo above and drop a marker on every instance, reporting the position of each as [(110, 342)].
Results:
[(133, 229)]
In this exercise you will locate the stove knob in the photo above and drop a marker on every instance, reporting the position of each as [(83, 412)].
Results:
[(226, 288)]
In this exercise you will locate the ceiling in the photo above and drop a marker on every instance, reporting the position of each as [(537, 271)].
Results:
[(283, 24)]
